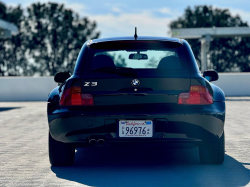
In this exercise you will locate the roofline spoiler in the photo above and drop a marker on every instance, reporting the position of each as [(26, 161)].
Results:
[(91, 42)]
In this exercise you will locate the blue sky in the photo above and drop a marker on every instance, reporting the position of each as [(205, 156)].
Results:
[(118, 18)]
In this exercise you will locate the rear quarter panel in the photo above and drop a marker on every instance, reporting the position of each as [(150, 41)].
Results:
[(54, 95), (218, 93)]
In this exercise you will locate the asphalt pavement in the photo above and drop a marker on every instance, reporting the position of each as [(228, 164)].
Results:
[(24, 157)]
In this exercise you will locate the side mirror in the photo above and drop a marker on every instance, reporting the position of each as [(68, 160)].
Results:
[(61, 77), (211, 75)]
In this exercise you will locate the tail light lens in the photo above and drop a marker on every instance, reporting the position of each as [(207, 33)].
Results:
[(197, 95), (73, 96)]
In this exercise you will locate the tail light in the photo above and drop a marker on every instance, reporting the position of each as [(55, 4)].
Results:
[(197, 95), (73, 96)]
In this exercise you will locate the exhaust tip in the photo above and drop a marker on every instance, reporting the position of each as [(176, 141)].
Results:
[(92, 141), (100, 141)]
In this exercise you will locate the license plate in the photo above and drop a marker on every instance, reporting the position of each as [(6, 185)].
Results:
[(135, 128)]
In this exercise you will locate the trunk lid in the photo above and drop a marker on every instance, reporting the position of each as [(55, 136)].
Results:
[(121, 91)]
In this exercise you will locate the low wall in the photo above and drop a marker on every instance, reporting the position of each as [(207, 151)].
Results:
[(38, 88), (234, 84), (26, 88)]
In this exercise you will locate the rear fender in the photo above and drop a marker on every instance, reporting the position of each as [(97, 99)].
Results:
[(53, 100), (218, 93), (54, 95)]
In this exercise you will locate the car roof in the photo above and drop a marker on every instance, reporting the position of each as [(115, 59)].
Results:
[(140, 38)]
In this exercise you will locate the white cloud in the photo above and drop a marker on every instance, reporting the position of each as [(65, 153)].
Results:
[(116, 9), (123, 25), (244, 15), (165, 10), (77, 7)]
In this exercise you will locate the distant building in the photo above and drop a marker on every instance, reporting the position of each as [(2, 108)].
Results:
[(7, 29)]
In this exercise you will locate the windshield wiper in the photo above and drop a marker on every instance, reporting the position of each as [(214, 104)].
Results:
[(117, 70)]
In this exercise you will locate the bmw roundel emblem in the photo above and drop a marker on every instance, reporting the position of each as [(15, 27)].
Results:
[(135, 82)]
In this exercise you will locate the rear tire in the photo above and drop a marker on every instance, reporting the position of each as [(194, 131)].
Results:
[(213, 152), (60, 154)]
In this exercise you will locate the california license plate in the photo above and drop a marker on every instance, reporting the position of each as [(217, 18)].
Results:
[(135, 128)]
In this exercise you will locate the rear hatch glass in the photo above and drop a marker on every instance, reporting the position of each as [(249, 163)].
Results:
[(143, 58)]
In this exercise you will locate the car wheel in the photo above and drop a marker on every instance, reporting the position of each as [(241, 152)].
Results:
[(213, 152), (60, 154)]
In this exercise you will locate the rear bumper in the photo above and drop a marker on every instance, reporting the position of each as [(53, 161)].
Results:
[(193, 125)]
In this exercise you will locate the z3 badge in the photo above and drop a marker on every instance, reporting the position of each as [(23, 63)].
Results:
[(90, 83)]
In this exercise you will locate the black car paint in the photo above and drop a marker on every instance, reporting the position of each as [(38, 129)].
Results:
[(173, 122)]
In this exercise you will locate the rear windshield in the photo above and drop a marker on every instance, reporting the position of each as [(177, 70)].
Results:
[(145, 60)]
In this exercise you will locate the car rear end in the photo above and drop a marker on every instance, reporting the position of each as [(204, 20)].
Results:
[(144, 91)]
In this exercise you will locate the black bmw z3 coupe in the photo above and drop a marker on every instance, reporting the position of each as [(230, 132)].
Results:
[(144, 90)]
